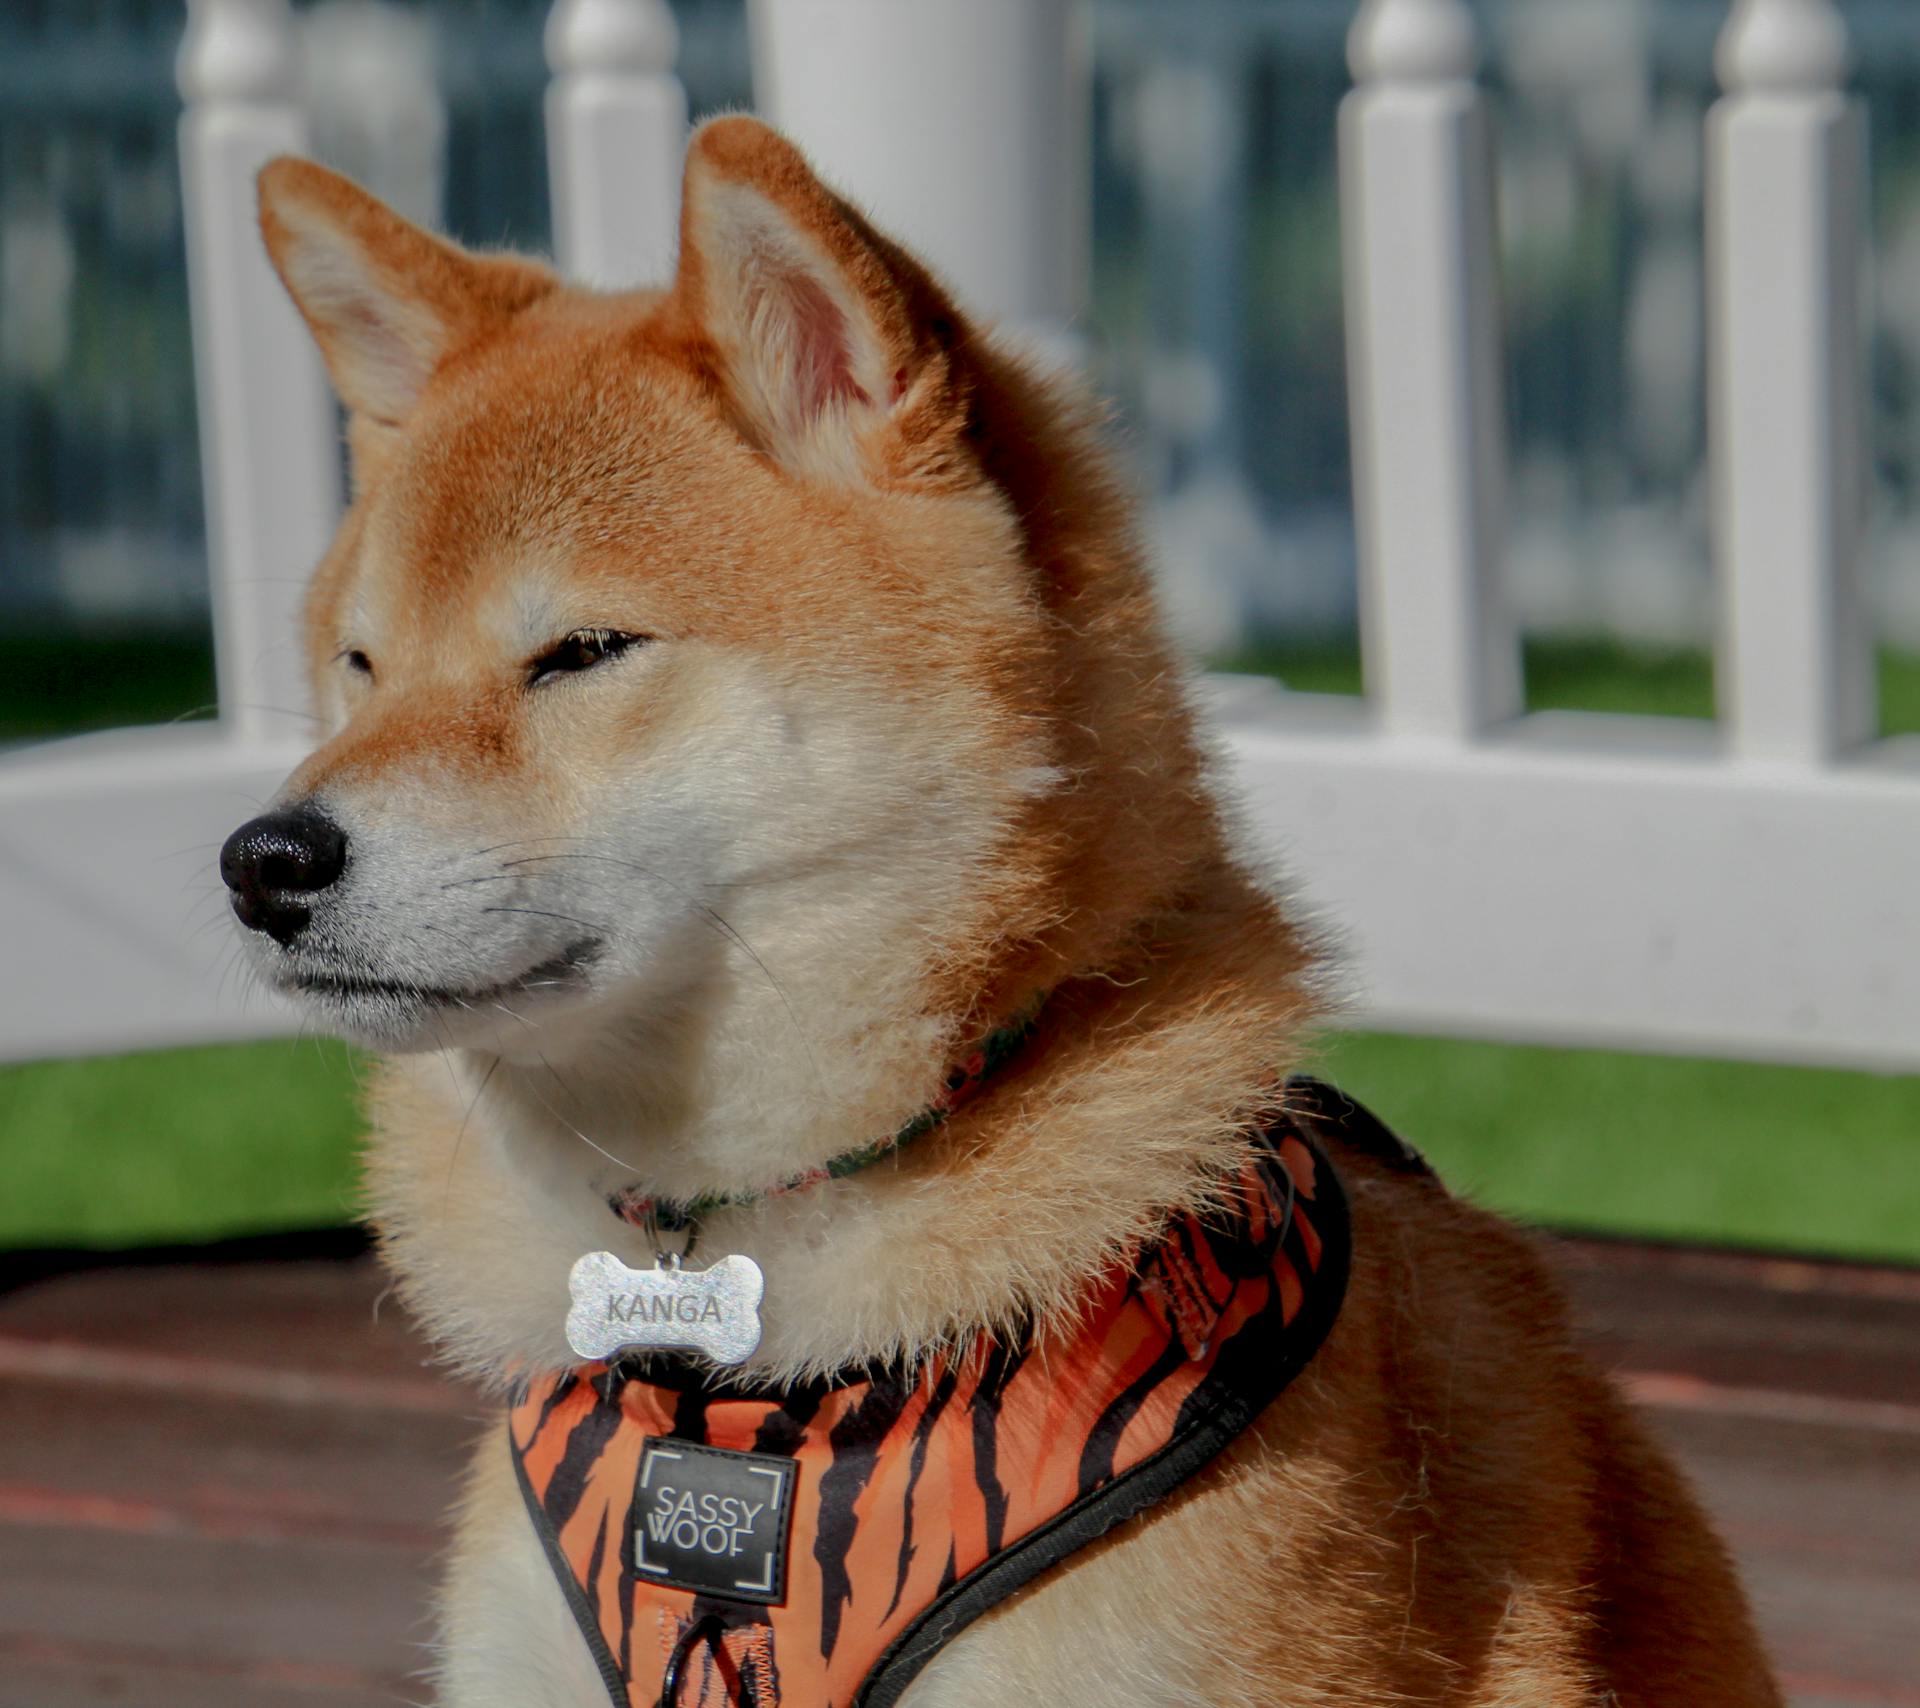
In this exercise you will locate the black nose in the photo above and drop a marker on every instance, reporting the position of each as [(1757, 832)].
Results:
[(275, 862)]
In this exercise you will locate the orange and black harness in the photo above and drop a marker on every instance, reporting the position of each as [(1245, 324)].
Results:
[(723, 1546)]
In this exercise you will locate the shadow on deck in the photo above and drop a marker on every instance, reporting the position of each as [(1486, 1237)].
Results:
[(223, 1482)]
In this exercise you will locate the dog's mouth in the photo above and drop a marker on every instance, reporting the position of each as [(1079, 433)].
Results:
[(556, 971)]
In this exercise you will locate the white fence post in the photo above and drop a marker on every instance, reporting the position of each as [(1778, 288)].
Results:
[(1786, 396), (616, 138), (963, 128), (1423, 351), (269, 440)]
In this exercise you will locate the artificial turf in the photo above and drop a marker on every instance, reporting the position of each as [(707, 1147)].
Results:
[(202, 1144), (177, 1145), (1660, 1147)]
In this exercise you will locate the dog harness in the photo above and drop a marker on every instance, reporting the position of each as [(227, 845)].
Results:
[(726, 1547)]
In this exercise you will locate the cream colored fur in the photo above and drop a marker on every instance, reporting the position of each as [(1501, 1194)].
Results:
[(901, 1259), (892, 745)]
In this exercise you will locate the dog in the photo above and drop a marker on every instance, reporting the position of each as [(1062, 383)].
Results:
[(759, 811)]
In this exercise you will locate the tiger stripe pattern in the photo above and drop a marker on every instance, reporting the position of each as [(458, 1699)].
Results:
[(940, 1494)]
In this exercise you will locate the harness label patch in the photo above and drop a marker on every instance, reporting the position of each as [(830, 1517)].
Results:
[(713, 1521)]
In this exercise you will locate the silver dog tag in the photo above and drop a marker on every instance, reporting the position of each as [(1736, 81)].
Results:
[(715, 1312)]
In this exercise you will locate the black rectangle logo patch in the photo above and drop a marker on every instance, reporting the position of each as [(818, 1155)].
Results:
[(713, 1521)]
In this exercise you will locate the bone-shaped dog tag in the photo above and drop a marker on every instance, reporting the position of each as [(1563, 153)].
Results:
[(713, 1311)]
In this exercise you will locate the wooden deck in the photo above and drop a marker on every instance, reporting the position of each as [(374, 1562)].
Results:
[(223, 1482)]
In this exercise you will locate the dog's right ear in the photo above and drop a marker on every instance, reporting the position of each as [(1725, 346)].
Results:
[(386, 302)]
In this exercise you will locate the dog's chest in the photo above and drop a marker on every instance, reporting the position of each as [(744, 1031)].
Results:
[(826, 1545)]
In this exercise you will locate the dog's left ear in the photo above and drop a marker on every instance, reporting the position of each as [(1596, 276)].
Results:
[(834, 347)]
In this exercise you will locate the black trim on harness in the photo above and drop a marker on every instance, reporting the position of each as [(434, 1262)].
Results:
[(583, 1613), (1133, 1491), (709, 1628), (1315, 1114), (1330, 1111)]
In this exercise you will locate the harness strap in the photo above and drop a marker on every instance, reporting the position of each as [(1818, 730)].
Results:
[(708, 1628), (822, 1544)]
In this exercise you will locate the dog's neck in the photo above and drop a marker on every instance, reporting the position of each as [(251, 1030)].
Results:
[(722, 1101), (965, 1079), (1130, 1101)]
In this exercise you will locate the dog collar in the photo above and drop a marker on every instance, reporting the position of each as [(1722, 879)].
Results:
[(635, 1205), (720, 1544)]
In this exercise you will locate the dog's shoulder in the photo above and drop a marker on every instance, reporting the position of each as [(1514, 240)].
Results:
[(1329, 1115)]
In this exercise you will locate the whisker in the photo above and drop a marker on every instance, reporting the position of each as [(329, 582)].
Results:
[(546, 913), (460, 1137), (198, 934), (726, 929), (446, 1054), (710, 914), (603, 859), (575, 1131), (518, 842)]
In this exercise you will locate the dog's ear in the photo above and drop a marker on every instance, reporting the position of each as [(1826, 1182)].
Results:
[(834, 347), (386, 302)]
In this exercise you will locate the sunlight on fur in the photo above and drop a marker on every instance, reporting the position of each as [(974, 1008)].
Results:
[(742, 698)]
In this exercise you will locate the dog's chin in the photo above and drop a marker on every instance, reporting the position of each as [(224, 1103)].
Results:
[(403, 1014)]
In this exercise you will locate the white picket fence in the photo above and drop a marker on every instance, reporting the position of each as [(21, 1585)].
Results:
[(1738, 889)]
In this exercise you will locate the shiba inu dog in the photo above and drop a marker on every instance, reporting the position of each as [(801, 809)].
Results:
[(757, 801)]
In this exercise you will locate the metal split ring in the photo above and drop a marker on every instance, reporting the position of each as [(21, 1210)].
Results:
[(657, 1224)]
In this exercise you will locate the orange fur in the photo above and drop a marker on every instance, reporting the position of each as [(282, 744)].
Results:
[(904, 747)]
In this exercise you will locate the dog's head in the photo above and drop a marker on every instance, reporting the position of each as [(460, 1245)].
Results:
[(676, 643)]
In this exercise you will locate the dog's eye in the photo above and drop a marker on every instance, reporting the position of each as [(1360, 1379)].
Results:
[(581, 650), (357, 661)]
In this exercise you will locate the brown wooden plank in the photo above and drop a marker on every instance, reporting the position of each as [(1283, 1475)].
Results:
[(174, 1461), (219, 1484), (247, 1466), (320, 1318), (1823, 1521), (1779, 1324), (310, 1614), (44, 1676), (1790, 1391)]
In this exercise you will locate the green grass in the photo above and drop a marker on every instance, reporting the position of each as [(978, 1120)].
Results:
[(1731, 1153), (200, 1144), (176, 1145), (1582, 675)]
